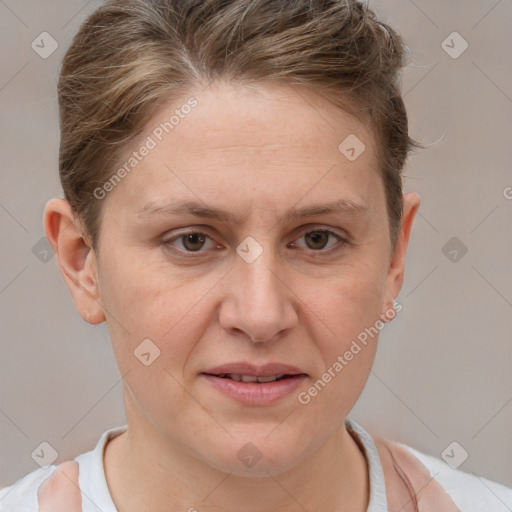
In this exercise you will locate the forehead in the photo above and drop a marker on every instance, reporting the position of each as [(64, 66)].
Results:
[(267, 119), (278, 142)]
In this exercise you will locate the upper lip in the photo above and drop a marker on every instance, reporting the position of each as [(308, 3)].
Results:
[(266, 370)]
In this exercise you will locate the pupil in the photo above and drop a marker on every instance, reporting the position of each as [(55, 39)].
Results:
[(316, 236), (195, 239)]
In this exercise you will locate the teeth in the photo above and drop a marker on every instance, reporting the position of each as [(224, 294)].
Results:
[(268, 379), (252, 378), (249, 378)]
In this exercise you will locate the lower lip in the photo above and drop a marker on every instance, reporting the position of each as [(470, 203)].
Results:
[(254, 393)]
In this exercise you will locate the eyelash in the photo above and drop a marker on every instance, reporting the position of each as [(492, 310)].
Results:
[(193, 254)]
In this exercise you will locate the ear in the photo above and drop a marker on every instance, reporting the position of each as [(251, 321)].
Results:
[(395, 276), (76, 259)]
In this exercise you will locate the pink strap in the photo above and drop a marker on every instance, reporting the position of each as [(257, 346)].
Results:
[(409, 485)]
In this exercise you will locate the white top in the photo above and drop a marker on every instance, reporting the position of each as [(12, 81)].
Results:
[(469, 492)]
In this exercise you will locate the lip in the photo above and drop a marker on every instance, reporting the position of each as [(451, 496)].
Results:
[(253, 393), (266, 370)]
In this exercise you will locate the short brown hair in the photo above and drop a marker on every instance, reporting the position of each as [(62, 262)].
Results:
[(130, 55)]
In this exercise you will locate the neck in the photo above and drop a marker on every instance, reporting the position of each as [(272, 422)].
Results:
[(144, 471)]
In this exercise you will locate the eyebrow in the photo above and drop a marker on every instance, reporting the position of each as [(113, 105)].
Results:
[(198, 209)]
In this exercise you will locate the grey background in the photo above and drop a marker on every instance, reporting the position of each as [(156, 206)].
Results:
[(442, 372)]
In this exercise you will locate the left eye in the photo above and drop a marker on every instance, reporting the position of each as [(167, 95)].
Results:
[(317, 240), (194, 241)]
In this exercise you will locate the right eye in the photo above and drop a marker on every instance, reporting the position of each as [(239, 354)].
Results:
[(190, 241)]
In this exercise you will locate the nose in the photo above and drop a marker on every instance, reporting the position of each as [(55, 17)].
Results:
[(258, 300)]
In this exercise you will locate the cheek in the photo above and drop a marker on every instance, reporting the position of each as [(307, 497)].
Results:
[(148, 302), (350, 308), (351, 301), (145, 301)]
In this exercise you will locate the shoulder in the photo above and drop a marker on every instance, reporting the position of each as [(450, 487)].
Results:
[(22, 495), (471, 493)]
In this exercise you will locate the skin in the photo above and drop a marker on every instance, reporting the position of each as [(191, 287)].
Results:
[(60, 493), (256, 152)]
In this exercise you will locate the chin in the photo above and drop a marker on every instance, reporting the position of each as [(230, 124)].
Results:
[(255, 459), (263, 468)]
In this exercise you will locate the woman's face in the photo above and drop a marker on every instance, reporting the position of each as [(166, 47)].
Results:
[(269, 282)]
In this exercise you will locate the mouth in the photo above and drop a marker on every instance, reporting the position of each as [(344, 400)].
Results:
[(254, 385), (250, 371), (253, 378)]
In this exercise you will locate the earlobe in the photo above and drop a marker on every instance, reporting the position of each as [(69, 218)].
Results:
[(76, 259), (395, 276)]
